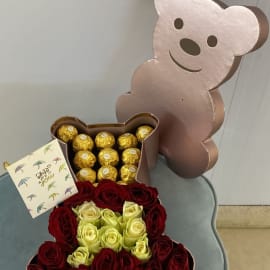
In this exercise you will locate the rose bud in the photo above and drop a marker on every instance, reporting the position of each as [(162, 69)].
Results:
[(51, 255), (153, 264), (135, 229), (108, 217), (162, 248), (88, 212), (110, 195), (142, 250), (155, 221), (127, 261), (111, 238), (88, 236), (131, 210), (143, 195), (80, 256), (105, 259), (179, 258), (63, 226)]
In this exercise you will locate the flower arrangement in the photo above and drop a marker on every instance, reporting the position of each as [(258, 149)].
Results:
[(110, 227)]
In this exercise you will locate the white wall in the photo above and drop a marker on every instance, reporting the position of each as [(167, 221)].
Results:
[(68, 57)]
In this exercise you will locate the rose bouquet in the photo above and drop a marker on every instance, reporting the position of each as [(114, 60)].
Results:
[(110, 227)]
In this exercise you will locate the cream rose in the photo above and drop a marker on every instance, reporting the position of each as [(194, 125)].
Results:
[(89, 212), (88, 236), (80, 256), (135, 229), (131, 210), (108, 217), (111, 238), (142, 250)]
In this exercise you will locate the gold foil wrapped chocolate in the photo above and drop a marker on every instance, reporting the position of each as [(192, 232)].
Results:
[(107, 172), (84, 159), (82, 142), (127, 140), (67, 133), (86, 174), (128, 173), (108, 156), (143, 132), (104, 139), (122, 183), (131, 156)]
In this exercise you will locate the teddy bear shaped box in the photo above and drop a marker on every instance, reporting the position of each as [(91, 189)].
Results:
[(175, 95)]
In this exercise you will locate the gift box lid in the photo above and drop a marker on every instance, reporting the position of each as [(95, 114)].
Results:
[(198, 46)]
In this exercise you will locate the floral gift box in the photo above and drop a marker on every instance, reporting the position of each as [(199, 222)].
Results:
[(110, 226)]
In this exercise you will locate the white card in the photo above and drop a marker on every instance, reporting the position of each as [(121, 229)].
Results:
[(43, 178)]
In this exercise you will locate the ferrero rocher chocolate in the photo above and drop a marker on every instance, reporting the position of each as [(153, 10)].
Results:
[(131, 156), (84, 159), (128, 173), (123, 183), (87, 174), (107, 172), (82, 142), (104, 139), (67, 133), (108, 156), (143, 132), (127, 140)]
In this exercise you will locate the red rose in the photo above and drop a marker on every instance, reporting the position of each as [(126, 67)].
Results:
[(126, 261), (162, 248), (179, 258), (153, 264), (52, 256), (34, 267), (110, 195), (63, 226), (155, 221), (143, 195), (81, 267), (106, 259), (85, 193)]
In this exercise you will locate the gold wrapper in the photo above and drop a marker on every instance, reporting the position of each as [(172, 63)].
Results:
[(123, 183), (82, 142), (143, 132), (107, 172), (67, 133), (127, 140), (84, 159), (108, 156), (104, 139), (128, 173), (87, 174), (131, 156)]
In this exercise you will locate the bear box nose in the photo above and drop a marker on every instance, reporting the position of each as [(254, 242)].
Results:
[(190, 46)]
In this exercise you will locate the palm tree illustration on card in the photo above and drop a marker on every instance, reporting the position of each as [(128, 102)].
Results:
[(41, 180)]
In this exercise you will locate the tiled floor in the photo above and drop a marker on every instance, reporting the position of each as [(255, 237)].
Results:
[(245, 233), (247, 249)]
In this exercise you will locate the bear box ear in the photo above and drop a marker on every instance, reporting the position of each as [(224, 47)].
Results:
[(248, 25), (160, 5)]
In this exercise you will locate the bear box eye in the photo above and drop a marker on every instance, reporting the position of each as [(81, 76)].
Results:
[(178, 23), (212, 41)]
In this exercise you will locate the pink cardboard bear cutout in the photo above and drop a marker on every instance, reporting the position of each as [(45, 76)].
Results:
[(198, 45)]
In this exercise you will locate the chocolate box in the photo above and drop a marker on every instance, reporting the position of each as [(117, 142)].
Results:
[(149, 148)]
